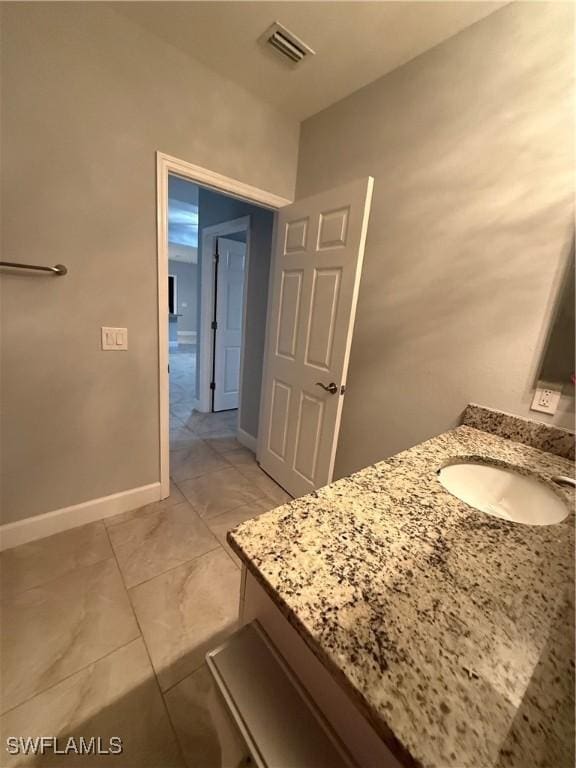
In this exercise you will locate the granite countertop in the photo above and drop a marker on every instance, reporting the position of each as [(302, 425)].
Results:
[(451, 629)]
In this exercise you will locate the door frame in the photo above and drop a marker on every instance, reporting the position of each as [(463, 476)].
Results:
[(166, 165), (205, 346)]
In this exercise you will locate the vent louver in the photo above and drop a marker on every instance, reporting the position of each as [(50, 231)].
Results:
[(286, 44)]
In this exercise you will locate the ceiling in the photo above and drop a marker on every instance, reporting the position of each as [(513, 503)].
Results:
[(182, 220), (355, 42), (182, 223)]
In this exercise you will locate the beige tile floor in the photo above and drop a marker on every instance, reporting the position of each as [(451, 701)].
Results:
[(104, 628)]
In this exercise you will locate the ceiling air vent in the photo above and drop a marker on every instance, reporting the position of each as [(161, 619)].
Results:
[(286, 44)]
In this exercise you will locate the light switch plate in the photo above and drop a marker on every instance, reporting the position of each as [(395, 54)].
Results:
[(546, 400), (114, 339)]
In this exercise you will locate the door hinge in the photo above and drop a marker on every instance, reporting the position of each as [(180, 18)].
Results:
[(212, 385), (214, 325)]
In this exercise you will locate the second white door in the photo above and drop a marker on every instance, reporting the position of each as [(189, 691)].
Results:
[(228, 319)]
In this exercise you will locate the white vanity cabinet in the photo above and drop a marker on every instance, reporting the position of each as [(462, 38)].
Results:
[(329, 703)]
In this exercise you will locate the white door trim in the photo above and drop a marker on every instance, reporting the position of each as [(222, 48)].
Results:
[(205, 349), (166, 164)]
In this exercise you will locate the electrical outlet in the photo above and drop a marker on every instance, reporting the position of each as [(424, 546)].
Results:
[(545, 400)]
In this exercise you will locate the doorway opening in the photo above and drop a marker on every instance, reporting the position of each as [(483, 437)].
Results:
[(295, 375), (216, 287), (183, 294)]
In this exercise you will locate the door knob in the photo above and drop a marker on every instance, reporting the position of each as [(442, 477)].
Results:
[(331, 388)]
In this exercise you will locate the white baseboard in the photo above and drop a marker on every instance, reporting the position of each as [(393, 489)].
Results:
[(39, 526), (247, 440)]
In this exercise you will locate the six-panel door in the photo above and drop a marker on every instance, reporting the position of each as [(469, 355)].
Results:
[(317, 267)]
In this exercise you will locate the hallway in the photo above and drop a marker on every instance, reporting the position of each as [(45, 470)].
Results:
[(128, 606), (182, 381)]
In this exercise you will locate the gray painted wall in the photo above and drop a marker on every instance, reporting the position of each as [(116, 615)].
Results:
[(558, 363), (87, 99), (187, 292), (215, 208), (471, 147)]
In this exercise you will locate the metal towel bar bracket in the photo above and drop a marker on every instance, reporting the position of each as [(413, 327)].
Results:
[(57, 269)]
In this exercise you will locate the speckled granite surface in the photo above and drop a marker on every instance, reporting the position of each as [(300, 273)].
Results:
[(451, 629), (536, 434)]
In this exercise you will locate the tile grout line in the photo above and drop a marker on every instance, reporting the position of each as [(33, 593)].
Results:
[(203, 520), (259, 497), (162, 692), (148, 514), (208, 472), (231, 558), (245, 504), (234, 509), (111, 556), (219, 546), (140, 635), (201, 664), (179, 565), (67, 677), (186, 676), (9, 596), (149, 657)]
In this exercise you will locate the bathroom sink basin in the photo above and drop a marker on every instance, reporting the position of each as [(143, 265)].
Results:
[(504, 493)]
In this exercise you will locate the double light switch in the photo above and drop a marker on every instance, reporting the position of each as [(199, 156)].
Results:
[(114, 339)]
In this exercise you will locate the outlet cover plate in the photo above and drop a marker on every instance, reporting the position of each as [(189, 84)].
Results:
[(546, 400)]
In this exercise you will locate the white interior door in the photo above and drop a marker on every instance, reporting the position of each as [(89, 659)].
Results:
[(317, 268), (230, 268)]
